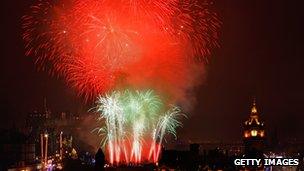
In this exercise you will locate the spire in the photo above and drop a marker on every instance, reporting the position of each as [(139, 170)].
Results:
[(254, 110), (253, 126)]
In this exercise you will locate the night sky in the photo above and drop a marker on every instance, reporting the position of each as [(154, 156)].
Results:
[(261, 55)]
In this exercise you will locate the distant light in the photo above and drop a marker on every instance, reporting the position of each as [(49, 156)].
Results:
[(39, 166), (254, 133), (262, 134), (254, 110), (246, 135)]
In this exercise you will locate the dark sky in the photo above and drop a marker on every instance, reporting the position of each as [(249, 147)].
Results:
[(261, 55)]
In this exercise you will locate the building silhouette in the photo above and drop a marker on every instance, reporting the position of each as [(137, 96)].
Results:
[(254, 134)]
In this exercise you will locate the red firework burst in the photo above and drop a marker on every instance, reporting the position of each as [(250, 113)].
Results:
[(99, 45)]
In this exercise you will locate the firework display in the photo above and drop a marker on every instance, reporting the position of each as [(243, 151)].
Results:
[(136, 56), (135, 124)]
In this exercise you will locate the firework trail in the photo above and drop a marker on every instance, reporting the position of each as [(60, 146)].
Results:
[(107, 49), (135, 124)]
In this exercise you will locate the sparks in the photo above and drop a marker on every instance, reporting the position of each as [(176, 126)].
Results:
[(98, 45), (103, 48), (135, 125)]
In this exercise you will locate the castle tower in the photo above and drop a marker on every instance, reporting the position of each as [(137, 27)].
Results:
[(254, 134)]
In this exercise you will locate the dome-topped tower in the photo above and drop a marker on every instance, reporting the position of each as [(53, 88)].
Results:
[(254, 133)]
